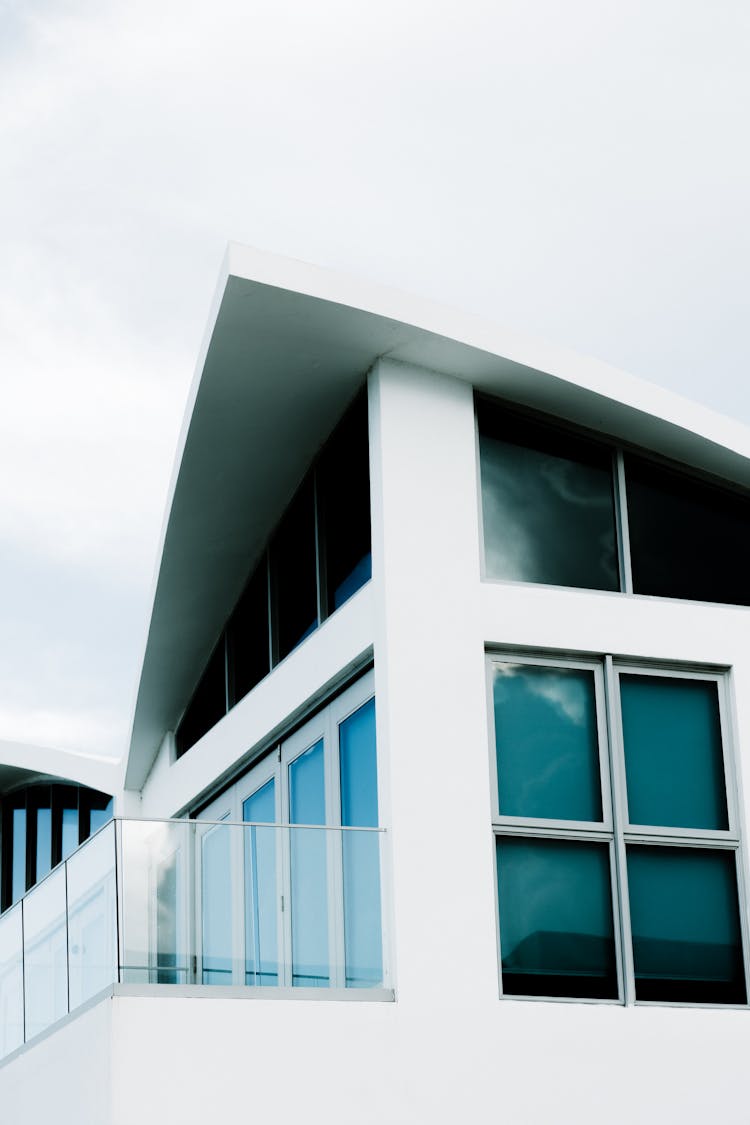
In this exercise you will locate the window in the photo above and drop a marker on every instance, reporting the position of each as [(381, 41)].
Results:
[(41, 825), (294, 897), (561, 508), (317, 558), (688, 539), (547, 502), (616, 833)]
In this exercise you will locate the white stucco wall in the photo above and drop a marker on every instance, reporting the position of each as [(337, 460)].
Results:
[(65, 1077)]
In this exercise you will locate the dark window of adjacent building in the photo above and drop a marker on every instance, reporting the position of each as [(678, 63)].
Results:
[(688, 538), (319, 556), (547, 502), (41, 826)]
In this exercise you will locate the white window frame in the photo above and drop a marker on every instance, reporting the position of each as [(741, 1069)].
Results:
[(617, 830), (228, 807)]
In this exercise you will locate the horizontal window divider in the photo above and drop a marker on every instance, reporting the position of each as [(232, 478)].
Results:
[(694, 840), (524, 824), (703, 1006), (508, 997), (553, 833)]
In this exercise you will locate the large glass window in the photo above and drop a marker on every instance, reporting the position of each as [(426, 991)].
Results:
[(688, 539), (562, 508), (548, 504), (633, 898), (248, 645), (294, 586), (318, 557), (343, 492), (208, 703)]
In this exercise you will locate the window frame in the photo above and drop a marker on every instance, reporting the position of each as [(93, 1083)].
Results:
[(619, 833)]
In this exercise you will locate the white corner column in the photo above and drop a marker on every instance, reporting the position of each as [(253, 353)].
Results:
[(430, 684)]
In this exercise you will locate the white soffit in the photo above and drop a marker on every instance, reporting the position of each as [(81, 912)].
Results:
[(287, 347), (21, 762)]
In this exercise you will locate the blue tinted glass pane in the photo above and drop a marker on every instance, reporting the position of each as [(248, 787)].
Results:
[(359, 770), (547, 502), (308, 856), (260, 807), (360, 573), (673, 759), (261, 898), (343, 503), (361, 850), (19, 853), (309, 906), (688, 538), (216, 895), (167, 965), (43, 842), (685, 922), (546, 742), (307, 801), (556, 929), (100, 817), (362, 915), (294, 583), (69, 831)]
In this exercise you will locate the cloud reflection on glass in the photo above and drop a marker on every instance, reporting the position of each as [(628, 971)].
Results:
[(548, 505), (546, 742)]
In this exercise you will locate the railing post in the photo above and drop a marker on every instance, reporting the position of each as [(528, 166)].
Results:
[(67, 938), (119, 954), (23, 968)]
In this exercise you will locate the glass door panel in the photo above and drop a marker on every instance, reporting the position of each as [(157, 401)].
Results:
[(216, 906), (309, 863), (262, 890), (363, 956)]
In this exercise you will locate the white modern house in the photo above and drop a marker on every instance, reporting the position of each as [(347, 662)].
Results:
[(434, 804)]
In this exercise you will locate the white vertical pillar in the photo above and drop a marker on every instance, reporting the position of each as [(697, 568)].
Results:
[(430, 683)]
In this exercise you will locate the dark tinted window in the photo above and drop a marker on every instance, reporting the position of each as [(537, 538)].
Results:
[(294, 587), (208, 705), (248, 655), (547, 502), (343, 486), (688, 539), (685, 920), (319, 556)]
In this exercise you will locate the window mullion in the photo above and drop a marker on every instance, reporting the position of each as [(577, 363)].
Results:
[(623, 527), (619, 820)]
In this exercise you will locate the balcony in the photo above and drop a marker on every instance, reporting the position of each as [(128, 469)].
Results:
[(188, 902)]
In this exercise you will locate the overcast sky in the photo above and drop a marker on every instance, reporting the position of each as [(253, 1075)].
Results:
[(577, 170)]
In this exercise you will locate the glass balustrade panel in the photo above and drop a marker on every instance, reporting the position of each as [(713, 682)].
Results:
[(92, 918)]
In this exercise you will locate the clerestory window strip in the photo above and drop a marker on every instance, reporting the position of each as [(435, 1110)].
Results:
[(331, 511), (657, 528)]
